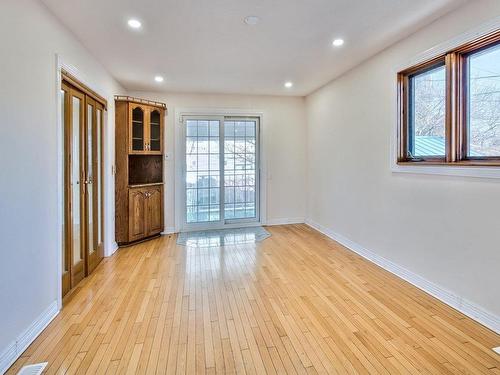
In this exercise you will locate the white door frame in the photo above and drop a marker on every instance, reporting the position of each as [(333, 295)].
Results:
[(179, 130)]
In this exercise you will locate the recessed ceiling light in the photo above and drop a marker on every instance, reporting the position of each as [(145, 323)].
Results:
[(134, 24), (338, 42), (252, 20), (158, 78), (288, 84)]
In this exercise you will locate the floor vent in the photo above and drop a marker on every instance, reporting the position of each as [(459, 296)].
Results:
[(35, 369), (497, 349)]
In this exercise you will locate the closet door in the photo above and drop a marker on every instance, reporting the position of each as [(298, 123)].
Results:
[(93, 182), (76, 188), (83, 235), (67, 224)]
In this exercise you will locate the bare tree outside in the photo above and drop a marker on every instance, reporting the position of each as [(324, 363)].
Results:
[(484, 102)]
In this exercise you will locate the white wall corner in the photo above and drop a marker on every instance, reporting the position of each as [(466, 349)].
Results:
[(169, 230), (112, 247), (466, 307), (10, 354), (286, 220)]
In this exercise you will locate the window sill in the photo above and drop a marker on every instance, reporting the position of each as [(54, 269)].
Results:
[(458, 169)]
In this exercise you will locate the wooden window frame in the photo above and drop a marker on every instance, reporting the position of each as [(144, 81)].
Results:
[(455, 63)]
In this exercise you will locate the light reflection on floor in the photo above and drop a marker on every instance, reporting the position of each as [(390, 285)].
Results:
[(222, 237)]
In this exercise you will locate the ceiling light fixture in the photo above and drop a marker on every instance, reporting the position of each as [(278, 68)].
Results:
[(252, 20), (338, 42), (288, 84), (159, 79), (134, 24)]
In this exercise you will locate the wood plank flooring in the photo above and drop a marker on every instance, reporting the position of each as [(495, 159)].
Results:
[(294, 303)]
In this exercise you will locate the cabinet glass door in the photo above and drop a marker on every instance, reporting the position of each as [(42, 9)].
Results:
[(137, 129), (155, 131)]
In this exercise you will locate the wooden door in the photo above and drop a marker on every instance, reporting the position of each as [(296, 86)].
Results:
[(75, 160), (137, 129), (93, 184), (83, 229), (137, 214), (67, 222), (154, 220)]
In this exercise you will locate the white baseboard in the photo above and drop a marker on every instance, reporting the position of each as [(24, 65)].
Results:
[(169, 230), (17, 347), (466, 307), (283, 221)]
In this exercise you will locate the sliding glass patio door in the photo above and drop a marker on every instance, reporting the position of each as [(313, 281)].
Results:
[(221, 184)]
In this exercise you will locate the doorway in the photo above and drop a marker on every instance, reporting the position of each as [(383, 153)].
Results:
[(83, 222), (220, 172)]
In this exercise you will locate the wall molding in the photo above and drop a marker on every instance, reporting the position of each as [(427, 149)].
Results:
[(18, 346), (479, 31), (453, 300)]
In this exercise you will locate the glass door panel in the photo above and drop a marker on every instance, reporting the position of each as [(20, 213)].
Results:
[(90, 175), (94, 184), (202, 171), (240, 169), (76, 173), (98, 176), (137, 129), (154, 131), (221, 184), (64, 95), (66, 189)]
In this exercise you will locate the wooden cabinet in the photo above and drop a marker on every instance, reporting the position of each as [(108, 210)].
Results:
[(137, 214), (145, 212), (145, 129), (154, 209), (139, 169)]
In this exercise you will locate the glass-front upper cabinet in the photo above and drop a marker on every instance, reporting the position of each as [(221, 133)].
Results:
[(155, 130), (137, 128), (146, 128)]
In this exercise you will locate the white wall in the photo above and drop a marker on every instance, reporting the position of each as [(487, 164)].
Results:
[(30, 38), (445, 229), (284, 130)]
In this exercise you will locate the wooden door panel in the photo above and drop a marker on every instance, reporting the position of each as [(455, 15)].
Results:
[(137, 214), (154, 210)]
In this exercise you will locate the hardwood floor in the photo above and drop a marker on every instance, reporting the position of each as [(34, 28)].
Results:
[(295, 303)]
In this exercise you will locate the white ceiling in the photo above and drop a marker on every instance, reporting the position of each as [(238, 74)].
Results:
[(204, 45)]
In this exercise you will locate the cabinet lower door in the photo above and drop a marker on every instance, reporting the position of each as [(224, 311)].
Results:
[(137, 214), (155, 207)]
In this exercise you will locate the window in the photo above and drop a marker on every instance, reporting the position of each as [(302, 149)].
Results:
[(427, 113), (483, 107), (449, 107)]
